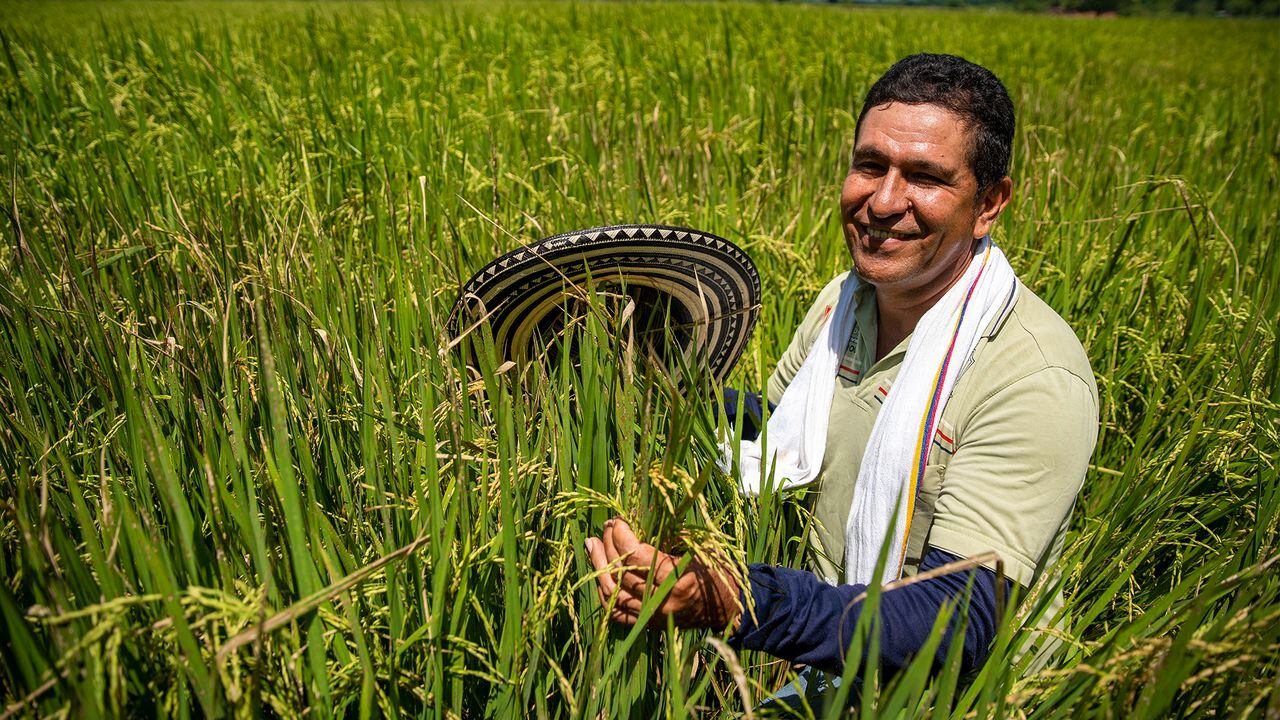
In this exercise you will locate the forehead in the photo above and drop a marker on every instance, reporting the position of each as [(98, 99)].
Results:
[(906, 131)]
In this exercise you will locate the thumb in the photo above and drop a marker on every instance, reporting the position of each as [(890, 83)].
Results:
[(625, 544), (648, 560), (624, 539)]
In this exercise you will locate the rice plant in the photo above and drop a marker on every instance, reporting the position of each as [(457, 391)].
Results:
[(245, 470)]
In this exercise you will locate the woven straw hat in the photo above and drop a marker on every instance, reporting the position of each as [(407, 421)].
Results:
[(700, 288)]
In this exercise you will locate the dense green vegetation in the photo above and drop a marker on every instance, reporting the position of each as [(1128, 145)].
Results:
[(241, 472), (1221, 8), (1217, 8)]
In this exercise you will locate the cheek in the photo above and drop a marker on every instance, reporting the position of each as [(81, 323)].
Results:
[(852, 195), (936, 208)]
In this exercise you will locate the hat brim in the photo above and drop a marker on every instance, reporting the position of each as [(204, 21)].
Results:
[(701, 285)]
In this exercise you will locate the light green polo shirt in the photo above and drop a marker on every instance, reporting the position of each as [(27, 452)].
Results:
[(1011, 451)]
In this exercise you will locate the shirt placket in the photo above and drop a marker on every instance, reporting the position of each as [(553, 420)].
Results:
[(856, 362), (851, 368)]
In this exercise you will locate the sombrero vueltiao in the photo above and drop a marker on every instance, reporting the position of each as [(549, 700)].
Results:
[(700, 283)]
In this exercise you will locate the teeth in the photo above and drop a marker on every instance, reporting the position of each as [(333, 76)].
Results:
[(883, 234)]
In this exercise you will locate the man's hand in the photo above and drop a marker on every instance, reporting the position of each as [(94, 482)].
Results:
[(704, 596)]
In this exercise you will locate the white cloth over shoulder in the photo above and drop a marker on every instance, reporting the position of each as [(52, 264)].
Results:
[(796, 432)]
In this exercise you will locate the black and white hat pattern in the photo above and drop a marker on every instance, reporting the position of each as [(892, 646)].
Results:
[(703, 287)]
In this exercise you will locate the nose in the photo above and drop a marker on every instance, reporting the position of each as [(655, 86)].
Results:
[(890, 196)]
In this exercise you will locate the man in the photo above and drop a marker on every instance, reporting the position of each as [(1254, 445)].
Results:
[(939, 339)]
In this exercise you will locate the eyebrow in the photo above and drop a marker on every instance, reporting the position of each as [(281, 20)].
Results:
[(923, 164)]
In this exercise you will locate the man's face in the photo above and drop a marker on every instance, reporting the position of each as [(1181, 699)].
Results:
[(909, 206)]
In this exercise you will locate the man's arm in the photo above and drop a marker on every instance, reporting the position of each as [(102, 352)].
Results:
[(797, 616), (802, 619), (1022, 456)]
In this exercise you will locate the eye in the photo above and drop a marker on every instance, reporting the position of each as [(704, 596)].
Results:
[(927, 179), (868, 167)]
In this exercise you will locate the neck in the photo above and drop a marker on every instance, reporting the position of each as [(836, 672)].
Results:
[(899, 309)]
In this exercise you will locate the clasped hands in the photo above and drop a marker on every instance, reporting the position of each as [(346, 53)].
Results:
[(703, 596)]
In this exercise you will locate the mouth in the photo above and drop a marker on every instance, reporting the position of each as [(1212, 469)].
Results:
[(882, 234)]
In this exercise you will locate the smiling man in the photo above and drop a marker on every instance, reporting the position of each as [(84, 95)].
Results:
[(928, 380)]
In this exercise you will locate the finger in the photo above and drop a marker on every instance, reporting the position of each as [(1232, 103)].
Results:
[(620, 559), (622, 617), (619, 600), (595, 551), (651, 566), (604, 599), (607, 582), (628, 603), (636, 556), (637, 582), (642, 554), (611, 547), (625, 541)]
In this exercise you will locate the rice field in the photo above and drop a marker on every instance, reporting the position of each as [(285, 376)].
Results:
[(243, 471)]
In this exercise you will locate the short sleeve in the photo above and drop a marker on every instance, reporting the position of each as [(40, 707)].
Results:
[(1020, 462), (803, 339)]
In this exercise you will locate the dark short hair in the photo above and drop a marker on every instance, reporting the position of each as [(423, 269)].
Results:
[(966, 89)]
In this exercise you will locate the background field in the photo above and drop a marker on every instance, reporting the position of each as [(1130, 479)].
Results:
[(239, 473)]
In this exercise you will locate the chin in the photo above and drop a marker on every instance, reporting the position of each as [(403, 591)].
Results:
[(877, 274)]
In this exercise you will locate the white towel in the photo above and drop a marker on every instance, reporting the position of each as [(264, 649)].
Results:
[(796, 432)]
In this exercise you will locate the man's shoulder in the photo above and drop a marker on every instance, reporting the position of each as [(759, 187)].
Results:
[(1031, 340), (824, 300)]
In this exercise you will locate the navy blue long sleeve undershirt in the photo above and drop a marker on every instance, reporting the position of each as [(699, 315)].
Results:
[(802, 619), (752, 411)]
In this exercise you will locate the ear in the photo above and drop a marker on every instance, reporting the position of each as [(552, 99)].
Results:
[(990, 205)]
